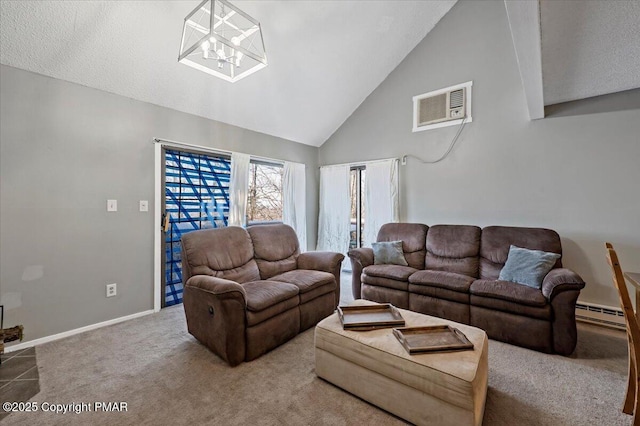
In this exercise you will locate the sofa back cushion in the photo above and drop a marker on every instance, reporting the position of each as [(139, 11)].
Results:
[(276, 249), (222, 252), (496, 240), (453, 248), (413, 237)]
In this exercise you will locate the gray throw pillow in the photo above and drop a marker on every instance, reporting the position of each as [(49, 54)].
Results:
[(388, 253), (527, 267)]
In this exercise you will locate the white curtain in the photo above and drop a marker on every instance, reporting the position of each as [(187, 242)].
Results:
[(381, 198), (294, 208), (335, 209), (238, 189)]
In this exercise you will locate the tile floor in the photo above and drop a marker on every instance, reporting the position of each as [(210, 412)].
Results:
[(19, 379)]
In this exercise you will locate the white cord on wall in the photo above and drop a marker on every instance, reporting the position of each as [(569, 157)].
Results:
[(453, 142)]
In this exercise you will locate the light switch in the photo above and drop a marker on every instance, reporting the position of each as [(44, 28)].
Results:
[(144, 205), (112, 205)]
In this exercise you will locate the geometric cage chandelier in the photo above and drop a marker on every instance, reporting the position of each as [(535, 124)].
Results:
[(222, 40)]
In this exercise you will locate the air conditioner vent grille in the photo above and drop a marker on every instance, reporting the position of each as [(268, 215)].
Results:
[(457, 98), (433, 108)]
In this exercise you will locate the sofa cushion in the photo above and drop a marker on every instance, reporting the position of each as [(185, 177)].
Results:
[(311, 284), (496, 240), (385, 282), (453, 248), (220, 252), (540, 312), (393, 272), (263, 294), (413, 237), (276, 248), (442, 279), (438, 293), (257, 317), (506, 290), (388, 253), (527, 267)]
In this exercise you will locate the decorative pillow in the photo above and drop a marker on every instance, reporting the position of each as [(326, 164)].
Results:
[(388, 253), (527, 267)]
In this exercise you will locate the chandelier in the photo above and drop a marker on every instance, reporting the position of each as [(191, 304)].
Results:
[(222, 40)]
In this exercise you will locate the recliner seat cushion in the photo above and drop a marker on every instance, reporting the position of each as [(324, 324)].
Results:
[(392, 272), (263, 294), (506, 290), (540, 312), (442, 279), (385, 282), (309, 282)]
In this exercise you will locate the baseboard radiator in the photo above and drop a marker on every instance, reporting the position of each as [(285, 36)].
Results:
[(607, 316)]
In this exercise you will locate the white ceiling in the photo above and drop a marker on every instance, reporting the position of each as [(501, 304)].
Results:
[(325, 57), (589, 48)]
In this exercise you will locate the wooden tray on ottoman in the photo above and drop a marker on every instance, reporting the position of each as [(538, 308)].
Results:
[(370, 317), (433, 338)]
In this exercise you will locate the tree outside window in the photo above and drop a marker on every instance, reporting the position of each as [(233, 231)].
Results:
[(264, 201)]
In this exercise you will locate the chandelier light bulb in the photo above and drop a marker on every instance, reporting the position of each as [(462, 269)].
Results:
[(205, 46), (220, 53), (235, 41)]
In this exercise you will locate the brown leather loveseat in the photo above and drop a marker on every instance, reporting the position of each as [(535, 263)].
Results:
[(248, 291), (453, 273)]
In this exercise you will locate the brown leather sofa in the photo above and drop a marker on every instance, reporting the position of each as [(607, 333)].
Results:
[(248, 291), (453, 273)]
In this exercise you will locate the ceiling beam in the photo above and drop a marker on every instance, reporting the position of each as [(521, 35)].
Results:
[(524, 21)]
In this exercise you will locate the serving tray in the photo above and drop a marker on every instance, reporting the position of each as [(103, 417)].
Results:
[(370, 317), (433, 338)]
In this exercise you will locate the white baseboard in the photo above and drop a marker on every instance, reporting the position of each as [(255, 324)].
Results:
[(46, 339)]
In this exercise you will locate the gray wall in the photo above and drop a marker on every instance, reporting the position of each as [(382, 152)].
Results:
[(577, 174), (64, 150)]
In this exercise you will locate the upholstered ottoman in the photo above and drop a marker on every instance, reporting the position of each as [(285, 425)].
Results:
[(447, 388)]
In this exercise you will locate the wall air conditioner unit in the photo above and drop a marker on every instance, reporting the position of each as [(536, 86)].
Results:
[(444, 107)]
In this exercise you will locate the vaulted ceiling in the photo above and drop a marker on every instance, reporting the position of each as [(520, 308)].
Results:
[(325, 57)]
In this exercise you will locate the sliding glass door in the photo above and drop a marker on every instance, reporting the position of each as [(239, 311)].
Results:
[(357, 181), (196, 188)]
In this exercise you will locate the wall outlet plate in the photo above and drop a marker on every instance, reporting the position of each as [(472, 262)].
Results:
[(144, 205), (112, 290), (112, 205)]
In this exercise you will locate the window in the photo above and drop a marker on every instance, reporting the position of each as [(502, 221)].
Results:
[(357, 179), (264, 200)]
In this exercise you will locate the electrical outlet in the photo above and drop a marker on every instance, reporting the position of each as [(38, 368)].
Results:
[(144, 205), (111, 290), (112, 205)]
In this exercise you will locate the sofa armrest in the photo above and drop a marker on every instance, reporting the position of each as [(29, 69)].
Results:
[(559, 280), (362, 256), (561, 287), (323, 261), (216, 315), (360, 259), (320, 260), (224, 289)]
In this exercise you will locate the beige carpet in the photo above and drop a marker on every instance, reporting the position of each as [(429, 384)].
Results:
[(166, 377)]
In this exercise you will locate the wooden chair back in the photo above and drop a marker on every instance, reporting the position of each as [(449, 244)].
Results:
[(632, 399), (625, 300)]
